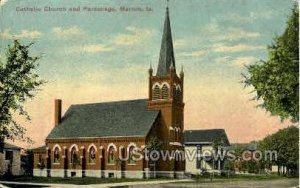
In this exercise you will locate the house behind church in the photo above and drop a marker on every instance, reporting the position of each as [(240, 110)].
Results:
[(10, 160), (200, 148)]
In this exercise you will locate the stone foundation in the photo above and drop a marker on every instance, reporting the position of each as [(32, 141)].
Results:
[(108, 173)]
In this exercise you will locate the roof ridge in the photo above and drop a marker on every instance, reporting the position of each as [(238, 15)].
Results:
[(109, 102)]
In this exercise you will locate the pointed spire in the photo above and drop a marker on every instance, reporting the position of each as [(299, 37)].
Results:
[(171, 66), (166, 56), (181, 72), (150, 69)]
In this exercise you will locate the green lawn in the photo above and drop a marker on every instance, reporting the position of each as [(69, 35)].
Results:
[(76, 181), (239, 178), (92, 180)]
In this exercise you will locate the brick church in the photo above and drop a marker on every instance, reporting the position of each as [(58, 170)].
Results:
[(90, 139)]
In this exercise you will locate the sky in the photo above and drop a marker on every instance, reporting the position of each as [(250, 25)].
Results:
[(97, 56)]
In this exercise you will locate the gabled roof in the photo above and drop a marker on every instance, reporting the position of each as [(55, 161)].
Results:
[(166, 56), (121, 118), (205, 136), (10, 146), (43, 148)]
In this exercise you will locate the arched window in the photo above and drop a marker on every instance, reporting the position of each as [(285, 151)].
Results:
[(131, 157), (156, 93), (74, 158), (41, 164), (111, 155), (56, 155), (165, 92), (176, 92), (92, 155)]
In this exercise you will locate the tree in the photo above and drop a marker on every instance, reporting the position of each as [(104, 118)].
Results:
[(286, 143), (276, 81), (154, 143), (18, 82)]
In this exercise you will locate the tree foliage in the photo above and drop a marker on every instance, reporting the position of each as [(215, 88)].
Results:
[(154, 143), (286, 143), (276, 81), (18, 82)]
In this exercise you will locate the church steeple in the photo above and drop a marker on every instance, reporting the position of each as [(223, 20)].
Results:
[(166, 95), (166, 56), (166, 90)]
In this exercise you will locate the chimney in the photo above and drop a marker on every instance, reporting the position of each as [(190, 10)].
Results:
[(57, 112)]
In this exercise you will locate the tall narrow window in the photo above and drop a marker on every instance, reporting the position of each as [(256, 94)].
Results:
[(178, 94), (156, 93), (74, 158), (92, 155), (41, 163), (56, 155), (174, 92), (165, 92), (131, 156), (111, 155)]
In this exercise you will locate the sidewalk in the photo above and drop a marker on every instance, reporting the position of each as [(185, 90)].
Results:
[(97, 185)]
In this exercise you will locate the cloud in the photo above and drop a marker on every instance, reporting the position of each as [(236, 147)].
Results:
[(233, 34), (262, 14), (249, 17), (212, 27), (2, 2), (215, 32), (134, 36), (67, 31), (235, 48), (236, 61), (242, 61), (197, 53), (238, 18), (224, 59), (90, 48), (179, 43), (7, 34)]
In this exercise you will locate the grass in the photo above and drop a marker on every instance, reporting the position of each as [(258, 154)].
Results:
[(76, 181), (239, 178), (93, 180)]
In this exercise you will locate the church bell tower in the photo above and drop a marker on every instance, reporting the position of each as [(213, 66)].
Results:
[(166, 90)]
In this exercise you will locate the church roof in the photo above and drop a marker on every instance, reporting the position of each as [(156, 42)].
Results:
[(166, 56), (121, 118), (205, 136)]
